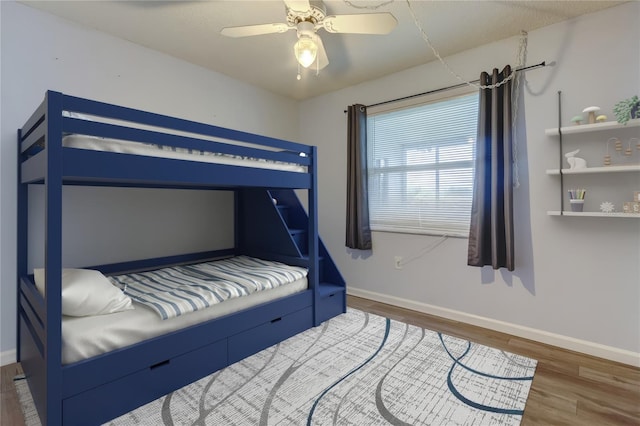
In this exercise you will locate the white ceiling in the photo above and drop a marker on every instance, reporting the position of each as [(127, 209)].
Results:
[(190, 30)]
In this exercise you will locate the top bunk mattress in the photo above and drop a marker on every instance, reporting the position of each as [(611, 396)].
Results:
[(95, 143)]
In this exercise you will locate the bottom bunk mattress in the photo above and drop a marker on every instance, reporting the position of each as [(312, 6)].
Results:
[(260, 282)]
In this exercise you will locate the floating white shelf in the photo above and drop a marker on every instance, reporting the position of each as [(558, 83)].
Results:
[(614, 127), (604, 169), (593, 214), (584, 128)]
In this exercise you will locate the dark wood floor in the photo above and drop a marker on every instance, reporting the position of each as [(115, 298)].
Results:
[(10, 412), (568, 388)]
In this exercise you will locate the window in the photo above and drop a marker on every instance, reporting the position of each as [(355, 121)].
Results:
[(421, 161)]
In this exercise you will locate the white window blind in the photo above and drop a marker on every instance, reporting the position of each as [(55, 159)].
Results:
[(421, 166)]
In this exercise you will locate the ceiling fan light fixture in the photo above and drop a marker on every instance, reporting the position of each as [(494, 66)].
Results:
[(306, 51), (309, 16)]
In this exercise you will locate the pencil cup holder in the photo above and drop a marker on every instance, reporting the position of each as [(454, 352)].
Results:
[(576, 205)]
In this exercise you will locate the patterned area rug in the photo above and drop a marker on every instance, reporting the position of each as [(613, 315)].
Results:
[(356, 369)]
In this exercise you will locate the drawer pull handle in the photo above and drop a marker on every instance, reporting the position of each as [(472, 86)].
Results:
[(276, 320), (160, 364)]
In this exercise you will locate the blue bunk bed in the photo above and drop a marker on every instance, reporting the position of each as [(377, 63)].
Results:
[(270, 223)]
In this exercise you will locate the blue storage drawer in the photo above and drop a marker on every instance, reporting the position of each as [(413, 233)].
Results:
[(268, 334), (330, 305), (98, 405)]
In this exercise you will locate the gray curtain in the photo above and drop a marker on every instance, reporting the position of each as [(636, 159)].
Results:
[(358, 231), (491, 232)]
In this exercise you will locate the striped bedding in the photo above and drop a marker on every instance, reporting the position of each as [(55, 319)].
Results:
[(179, 290)]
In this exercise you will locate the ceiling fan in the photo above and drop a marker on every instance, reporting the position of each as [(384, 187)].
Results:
[(307, 17)]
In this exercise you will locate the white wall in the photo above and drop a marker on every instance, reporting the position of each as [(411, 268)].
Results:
[(41, 52), (577, 280)]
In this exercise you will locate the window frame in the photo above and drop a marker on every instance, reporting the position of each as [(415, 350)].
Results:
[(429, 98)]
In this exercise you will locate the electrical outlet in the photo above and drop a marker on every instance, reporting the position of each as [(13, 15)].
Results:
[(398, 262)]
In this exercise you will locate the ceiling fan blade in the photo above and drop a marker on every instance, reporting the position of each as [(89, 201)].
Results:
[(321, 56), (298, 5), (369, 23), (252, 30)]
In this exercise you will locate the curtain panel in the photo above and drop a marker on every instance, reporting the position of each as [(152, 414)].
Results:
[(358, 232), (491, 240)]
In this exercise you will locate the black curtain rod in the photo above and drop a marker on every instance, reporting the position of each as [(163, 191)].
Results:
[(455, 86)]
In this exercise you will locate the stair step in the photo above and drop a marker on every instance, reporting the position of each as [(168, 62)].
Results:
[(284, 213), (300, 238), (326, 289)]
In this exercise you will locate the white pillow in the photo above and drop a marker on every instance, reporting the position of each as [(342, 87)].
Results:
[(87, 292)]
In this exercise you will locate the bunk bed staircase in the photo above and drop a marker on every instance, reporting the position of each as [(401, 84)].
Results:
[(275, 225)]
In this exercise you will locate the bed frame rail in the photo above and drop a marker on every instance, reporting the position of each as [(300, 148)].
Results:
[(31, 305), (101, 109), (41, 138)]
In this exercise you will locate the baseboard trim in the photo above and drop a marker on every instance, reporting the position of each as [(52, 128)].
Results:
[(8, 357), (565, 342)]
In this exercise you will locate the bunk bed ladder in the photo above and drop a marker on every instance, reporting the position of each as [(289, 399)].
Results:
[(331, 289), (274, 225)]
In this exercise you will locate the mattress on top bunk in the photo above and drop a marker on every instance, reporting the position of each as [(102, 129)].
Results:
[(95, 143)]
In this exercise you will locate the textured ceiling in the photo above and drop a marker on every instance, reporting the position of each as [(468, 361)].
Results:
[(190, 30)]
